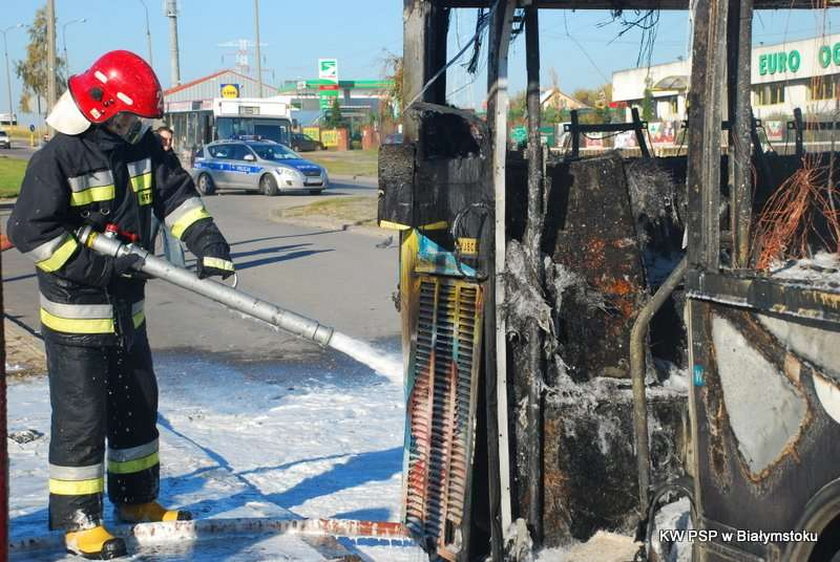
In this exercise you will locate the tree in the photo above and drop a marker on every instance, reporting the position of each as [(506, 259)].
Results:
[(393, 103), (518, 109), (648, 109), (333, 118), (599, 100), (33, 71), (551, 115)]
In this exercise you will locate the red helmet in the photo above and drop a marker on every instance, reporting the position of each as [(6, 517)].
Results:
[(119, 81)]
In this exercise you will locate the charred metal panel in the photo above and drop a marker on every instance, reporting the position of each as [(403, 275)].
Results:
[(396, 185), (441, 415), (598, 242), (589, 461), (733, 494), (803, 300), (450, 186)]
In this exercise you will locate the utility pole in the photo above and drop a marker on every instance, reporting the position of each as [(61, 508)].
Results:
[(51, 85), (148, 33), (259, 57), (8, 79), (172, 14)]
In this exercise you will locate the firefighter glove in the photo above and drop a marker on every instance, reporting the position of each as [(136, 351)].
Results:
[(216, 261), (126, 264)]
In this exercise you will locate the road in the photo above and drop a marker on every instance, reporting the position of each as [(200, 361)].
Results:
[(339, 277), (19, 150)]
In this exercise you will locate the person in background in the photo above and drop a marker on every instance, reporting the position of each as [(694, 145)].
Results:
[(172, 249), (105, 170)]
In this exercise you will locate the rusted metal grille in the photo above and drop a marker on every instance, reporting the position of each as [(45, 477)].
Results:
[(441, 414)]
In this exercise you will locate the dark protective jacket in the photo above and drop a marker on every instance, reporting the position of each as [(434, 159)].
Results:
[(95, 178)]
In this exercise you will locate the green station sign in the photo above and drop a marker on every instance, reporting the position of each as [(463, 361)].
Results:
[(779, 63), (828, 55), (789, 61)]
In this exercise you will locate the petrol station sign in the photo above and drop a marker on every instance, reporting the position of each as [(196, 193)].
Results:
[(328, 73)]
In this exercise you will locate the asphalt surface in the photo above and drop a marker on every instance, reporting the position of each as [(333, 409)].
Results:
[(18, 150), (344, 278)]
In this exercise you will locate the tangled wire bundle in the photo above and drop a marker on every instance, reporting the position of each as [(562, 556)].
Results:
[(801, 213)]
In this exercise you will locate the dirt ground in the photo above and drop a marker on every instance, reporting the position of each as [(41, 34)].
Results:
[(24, 352)]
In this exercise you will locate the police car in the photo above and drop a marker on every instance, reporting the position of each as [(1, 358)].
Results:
[(255, 164)]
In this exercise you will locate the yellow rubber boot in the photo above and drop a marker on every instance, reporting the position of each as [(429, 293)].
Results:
[(95, 544), (150, 512)]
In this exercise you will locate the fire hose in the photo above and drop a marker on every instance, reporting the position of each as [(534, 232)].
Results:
[(229, 296)]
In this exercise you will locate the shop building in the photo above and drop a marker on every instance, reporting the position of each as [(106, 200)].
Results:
[(803, 74)]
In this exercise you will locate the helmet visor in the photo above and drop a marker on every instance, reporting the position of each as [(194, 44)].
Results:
[(131, 128)]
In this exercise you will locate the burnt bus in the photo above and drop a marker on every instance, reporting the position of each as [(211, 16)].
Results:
[(532, 317)]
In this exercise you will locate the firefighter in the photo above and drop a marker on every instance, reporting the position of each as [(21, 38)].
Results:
[(105, 169)]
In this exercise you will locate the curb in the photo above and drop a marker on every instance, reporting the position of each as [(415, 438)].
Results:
[(373, 181)]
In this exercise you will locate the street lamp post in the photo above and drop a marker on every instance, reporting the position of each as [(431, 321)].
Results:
[(8, 79), (64, 35), (148, 33)]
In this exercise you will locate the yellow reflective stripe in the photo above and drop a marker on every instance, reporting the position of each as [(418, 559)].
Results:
[(60, 256), (142, 186), (139, 183), (138, 318), (136, 465), (393, 225), (439, 225), (88, 196), (218, 263), (183, 223), (77, 487), (77, 325)]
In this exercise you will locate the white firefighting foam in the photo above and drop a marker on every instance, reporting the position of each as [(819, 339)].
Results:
[(387, 365)]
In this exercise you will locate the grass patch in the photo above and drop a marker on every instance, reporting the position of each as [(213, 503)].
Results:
[(11, 176), (357, 210), (348, 162)]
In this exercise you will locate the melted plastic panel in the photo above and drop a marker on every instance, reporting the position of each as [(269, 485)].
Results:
[(441, 414), (765, 410)]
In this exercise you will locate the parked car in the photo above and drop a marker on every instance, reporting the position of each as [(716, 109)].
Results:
[(305, 143), (261, 165), (5, 141), (393, 138)]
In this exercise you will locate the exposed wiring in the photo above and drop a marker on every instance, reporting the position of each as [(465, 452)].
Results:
[(480, 27), (455, 233), (582, 50), (648, 22)]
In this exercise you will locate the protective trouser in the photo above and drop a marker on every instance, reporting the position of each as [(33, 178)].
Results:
[(99, 392)]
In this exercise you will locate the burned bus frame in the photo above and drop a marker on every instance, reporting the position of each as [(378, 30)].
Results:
[(798, 486)]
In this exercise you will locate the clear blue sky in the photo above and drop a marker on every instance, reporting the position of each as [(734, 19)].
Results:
[(359, 34)]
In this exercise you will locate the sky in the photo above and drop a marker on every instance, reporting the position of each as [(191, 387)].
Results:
[(579, 49)]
